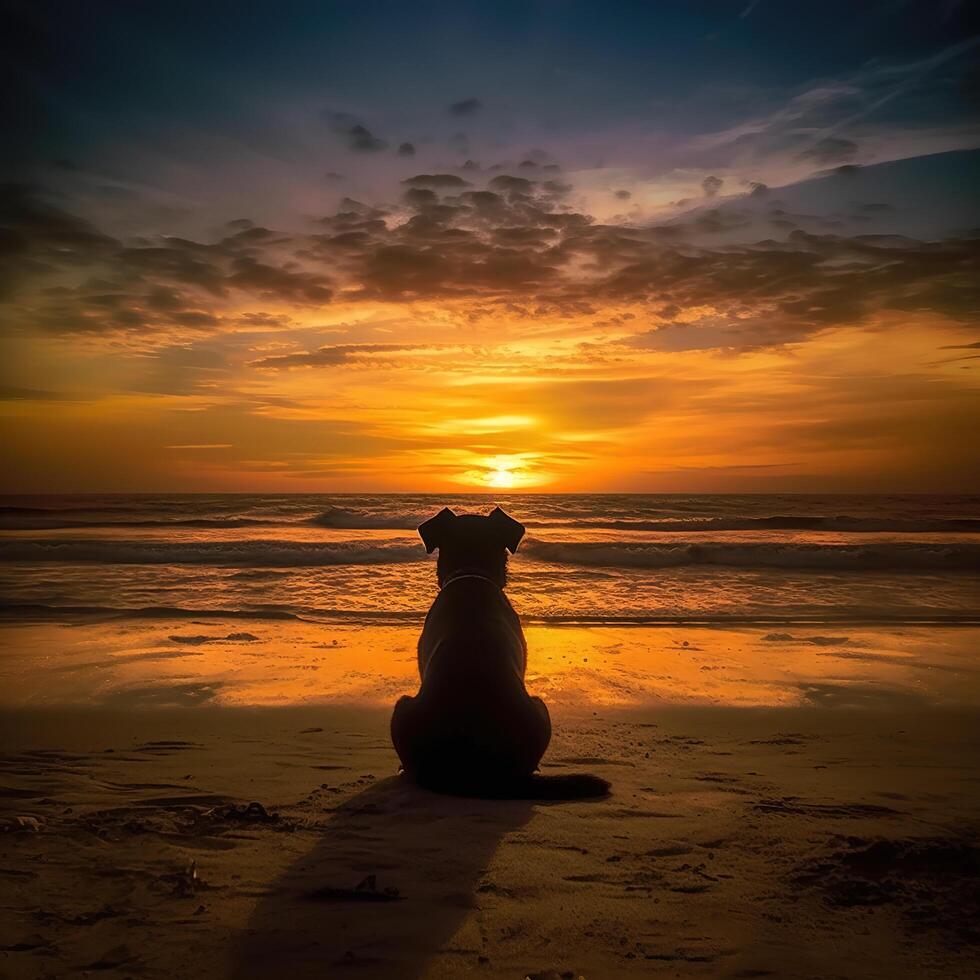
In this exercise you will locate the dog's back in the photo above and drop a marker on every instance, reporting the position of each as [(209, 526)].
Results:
[(472, 713), (471, 638)]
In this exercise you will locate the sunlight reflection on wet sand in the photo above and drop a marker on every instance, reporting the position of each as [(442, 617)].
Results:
[(152, 663)]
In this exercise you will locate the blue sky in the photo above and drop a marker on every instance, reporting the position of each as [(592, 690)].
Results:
[(87, 81)]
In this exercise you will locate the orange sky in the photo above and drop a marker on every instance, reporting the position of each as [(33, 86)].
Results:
[(446, 395)]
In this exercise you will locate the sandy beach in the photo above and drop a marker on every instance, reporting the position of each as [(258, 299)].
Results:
[(811, 813)]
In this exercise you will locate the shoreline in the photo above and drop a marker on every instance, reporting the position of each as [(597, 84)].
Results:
[(214, 661), (39, 613)]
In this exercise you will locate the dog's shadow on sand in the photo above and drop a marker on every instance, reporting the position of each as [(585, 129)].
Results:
[(434, 849)]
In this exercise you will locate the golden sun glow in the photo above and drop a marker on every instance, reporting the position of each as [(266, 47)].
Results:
[(507, 472), (501, 478)]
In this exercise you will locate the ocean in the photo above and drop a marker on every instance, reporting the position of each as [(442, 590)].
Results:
[(601, 559)]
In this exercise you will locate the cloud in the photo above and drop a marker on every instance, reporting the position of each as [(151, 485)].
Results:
[(711, 185), (514, 242), (884, 110), (362, 140), (831, 150), (332, 356), (511, 185), (40, 236), (270, 282), (358, 137), (466, 107), (406, 150), (717, 333), (435, 181), (15, 393)]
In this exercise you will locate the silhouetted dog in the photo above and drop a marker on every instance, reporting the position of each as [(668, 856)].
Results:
[(472, 727)]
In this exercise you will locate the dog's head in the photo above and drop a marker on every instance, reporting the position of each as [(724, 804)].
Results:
[(472, 543)]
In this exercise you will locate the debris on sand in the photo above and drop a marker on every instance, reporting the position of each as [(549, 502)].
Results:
[(252, 812), (30, 944), (365, 890), (183, 884), (21, 824), (935, 882), (49, 916), (197, 639), (114, 958)]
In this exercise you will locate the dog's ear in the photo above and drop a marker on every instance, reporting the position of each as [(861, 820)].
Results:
[(510, 531), (433, 532)]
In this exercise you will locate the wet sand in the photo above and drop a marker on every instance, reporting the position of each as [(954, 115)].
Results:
[(830, 834)]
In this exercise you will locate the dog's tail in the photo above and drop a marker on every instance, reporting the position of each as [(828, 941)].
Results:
[(574, 786)]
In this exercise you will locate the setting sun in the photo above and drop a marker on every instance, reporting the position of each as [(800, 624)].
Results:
[(511, 472), (501, 478)]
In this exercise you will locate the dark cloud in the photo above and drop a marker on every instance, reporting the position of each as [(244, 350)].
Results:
[(556, 188), (271, 282), (37, 237), (332, 355), (717, 333), (362, 140), (9, 393), (435, 181), (467, 107), (420, 197), (830, 150), (62, 275), (623, 195), (515, 243), (358, 137), (711, 185), (406, 150), (511, 185)]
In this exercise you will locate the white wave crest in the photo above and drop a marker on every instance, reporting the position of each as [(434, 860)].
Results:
[(897, 556), (243, 554)]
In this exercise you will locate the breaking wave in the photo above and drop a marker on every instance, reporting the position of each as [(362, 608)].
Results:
[(52, 522), (407, 517), (242, 554), (885, 556), (897, 557), (351, 520), (798, 522)]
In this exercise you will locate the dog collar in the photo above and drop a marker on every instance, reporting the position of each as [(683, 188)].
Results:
[(462, 575)]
